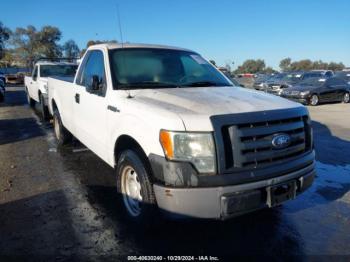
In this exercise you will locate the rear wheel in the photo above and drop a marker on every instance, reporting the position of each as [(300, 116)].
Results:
[(314, 100), (346, 98), (62, 135), (135, 187), (44, 110), (31, 101)]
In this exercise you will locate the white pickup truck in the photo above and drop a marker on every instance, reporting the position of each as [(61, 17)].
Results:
[(36, 85), (180, 136)]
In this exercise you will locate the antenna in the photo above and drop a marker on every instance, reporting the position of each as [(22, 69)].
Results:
[(121, 39), (120, 26)]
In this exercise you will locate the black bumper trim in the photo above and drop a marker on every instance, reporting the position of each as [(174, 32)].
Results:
[(182, 174)]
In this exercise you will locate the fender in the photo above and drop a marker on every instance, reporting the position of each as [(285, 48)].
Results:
[(145, 133)]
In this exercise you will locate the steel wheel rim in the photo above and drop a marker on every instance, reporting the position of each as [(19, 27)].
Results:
[(314, 100), (131, 190), (56, 128), (346, 98)]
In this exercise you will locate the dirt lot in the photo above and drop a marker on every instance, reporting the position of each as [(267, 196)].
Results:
[(61, 204)]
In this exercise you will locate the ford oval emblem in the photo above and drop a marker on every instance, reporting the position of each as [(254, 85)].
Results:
[(280, 141)]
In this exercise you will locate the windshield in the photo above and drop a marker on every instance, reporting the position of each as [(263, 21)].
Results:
[(315, 81), (292, 77), (156, 68), (57, 70)]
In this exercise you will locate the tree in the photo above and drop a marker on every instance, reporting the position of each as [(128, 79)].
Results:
[(302, 65), (285, 64), (49, 36), (9, 59), (269, 70), (4, 36), (251, 66), (31, 44), (70, 49), (335, 66), (212, 62)]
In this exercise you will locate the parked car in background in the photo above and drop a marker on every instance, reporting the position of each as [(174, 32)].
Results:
[(318, 74), (345, 75), (2, 90), (235, 82), (2, 77), (180, 136), (281, 81), (15, 79), (260, 80), (313, 91), (36, 84)]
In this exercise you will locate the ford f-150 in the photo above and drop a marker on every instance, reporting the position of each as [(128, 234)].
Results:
[(180, 135)]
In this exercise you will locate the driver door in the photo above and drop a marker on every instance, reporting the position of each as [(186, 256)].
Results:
[(90, 104)]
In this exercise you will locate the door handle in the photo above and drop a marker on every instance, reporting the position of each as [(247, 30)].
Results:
[(113, 109), (77, 98)]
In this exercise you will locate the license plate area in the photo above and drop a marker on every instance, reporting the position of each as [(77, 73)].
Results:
[(280, 193)]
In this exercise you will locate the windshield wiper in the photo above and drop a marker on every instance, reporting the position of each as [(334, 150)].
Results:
[(204, 84), (146, 84)]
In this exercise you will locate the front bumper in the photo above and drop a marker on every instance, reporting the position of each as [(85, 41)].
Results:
[(226, 201)]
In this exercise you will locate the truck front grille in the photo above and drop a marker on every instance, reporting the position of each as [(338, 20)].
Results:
[(247, 144)]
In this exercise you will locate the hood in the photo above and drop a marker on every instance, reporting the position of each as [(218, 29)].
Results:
[(195, 105)]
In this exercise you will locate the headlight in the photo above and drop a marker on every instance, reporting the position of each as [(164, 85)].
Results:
[(45, 87), (304, 93), (196, 148)]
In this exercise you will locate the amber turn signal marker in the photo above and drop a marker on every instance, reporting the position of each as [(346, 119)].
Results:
[(165, 140)]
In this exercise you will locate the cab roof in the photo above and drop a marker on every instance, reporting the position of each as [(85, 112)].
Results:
[(112, 46)]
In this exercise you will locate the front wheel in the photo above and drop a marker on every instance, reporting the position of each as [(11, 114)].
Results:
[(62, 134), (135, 187), (314, 100), (346, 98)]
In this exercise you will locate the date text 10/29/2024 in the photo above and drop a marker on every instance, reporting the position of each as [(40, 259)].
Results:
[(173, 258)]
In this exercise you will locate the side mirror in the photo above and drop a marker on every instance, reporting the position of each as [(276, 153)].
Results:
[(95, 83)]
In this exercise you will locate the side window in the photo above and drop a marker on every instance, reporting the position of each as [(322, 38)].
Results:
[(81, 68), (35, 73), (94, 70)]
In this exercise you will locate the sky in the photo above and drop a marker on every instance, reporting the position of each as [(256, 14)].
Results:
[(227, 31)]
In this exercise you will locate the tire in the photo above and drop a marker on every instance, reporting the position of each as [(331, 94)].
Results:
[(31, 102), (45, 116), (62, 135), (346, 98), (135, 188), (314, 100)]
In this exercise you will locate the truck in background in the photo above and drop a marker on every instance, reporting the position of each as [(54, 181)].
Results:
[(36, 84)]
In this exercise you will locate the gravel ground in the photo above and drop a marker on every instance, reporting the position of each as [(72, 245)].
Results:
[(61, 204)]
